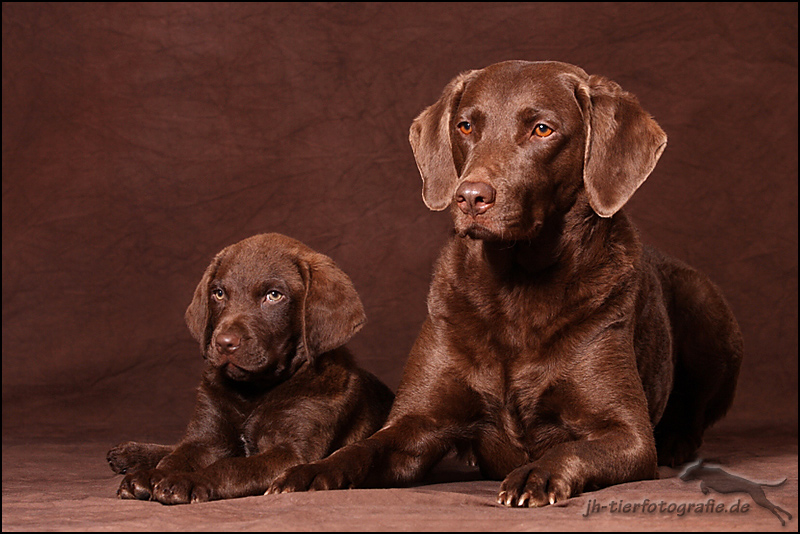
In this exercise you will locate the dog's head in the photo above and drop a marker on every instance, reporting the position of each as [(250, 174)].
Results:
[(510, 145), (267, 304)]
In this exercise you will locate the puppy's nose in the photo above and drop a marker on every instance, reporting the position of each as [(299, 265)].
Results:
[(227, 342), (474, 198)]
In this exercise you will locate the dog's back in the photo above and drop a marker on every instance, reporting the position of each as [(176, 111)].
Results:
[(707, 351)]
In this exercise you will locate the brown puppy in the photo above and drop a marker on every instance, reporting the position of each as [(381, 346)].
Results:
[(271, 316), (558, 350)]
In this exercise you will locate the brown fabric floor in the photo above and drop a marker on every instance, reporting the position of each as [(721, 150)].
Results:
[(67, 485)]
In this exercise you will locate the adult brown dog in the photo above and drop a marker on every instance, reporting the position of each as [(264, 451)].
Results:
[(558, 350), (271, 316)]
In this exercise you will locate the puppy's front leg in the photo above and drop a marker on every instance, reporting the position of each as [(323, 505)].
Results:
[(228, 477), (186, 457)]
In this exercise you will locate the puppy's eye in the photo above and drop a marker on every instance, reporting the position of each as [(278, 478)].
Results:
[(464, 127), (218, 294), (274, 296), (542, 130)]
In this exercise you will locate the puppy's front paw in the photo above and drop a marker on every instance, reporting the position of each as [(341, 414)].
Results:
[(182, 488), (532, 486), (321, 475), (297, 478), (139, 485)]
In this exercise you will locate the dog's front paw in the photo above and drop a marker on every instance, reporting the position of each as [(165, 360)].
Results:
[(182, 488), (532, 486)]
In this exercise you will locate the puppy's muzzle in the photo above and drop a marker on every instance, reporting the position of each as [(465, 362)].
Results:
[(227, 342)]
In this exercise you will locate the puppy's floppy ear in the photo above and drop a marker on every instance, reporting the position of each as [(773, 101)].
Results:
[(623, 144), (197, 315), (331, 311), (430, 140)]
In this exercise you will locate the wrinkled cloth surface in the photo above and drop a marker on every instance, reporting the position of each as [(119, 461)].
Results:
[(68, 486)]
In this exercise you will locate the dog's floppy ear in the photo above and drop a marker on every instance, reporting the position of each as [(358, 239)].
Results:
[(623, 144), (331, 311), (430, 140), (197, 316)]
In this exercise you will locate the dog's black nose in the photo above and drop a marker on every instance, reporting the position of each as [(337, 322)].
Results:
[(474, 198), (227, 342)]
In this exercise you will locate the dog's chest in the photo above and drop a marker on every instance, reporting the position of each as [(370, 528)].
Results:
[(518, 328), (524, 413), (521, 320), (529, 399)]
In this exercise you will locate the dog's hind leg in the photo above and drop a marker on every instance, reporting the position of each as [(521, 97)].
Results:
[(708, 354)]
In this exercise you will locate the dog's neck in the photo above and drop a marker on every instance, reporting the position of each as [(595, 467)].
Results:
[(564, 244)]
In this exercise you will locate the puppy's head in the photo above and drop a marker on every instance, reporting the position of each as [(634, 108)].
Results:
[(269, 303), (510, 146)]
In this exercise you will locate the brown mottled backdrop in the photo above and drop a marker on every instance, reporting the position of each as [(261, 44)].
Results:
[(140, 139)]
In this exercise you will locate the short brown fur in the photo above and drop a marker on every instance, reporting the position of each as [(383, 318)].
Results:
[(271, 316), (558, 351)]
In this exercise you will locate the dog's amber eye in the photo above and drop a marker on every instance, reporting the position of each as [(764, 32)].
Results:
[(274, 296), (218, 294), (464, 127), (542, 130)]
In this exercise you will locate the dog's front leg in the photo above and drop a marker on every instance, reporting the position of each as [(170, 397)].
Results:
[(567, 469), (603, 405), (401, 452), (432, 413)]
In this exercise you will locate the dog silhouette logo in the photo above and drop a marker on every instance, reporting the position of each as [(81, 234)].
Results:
[(714, 478)]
